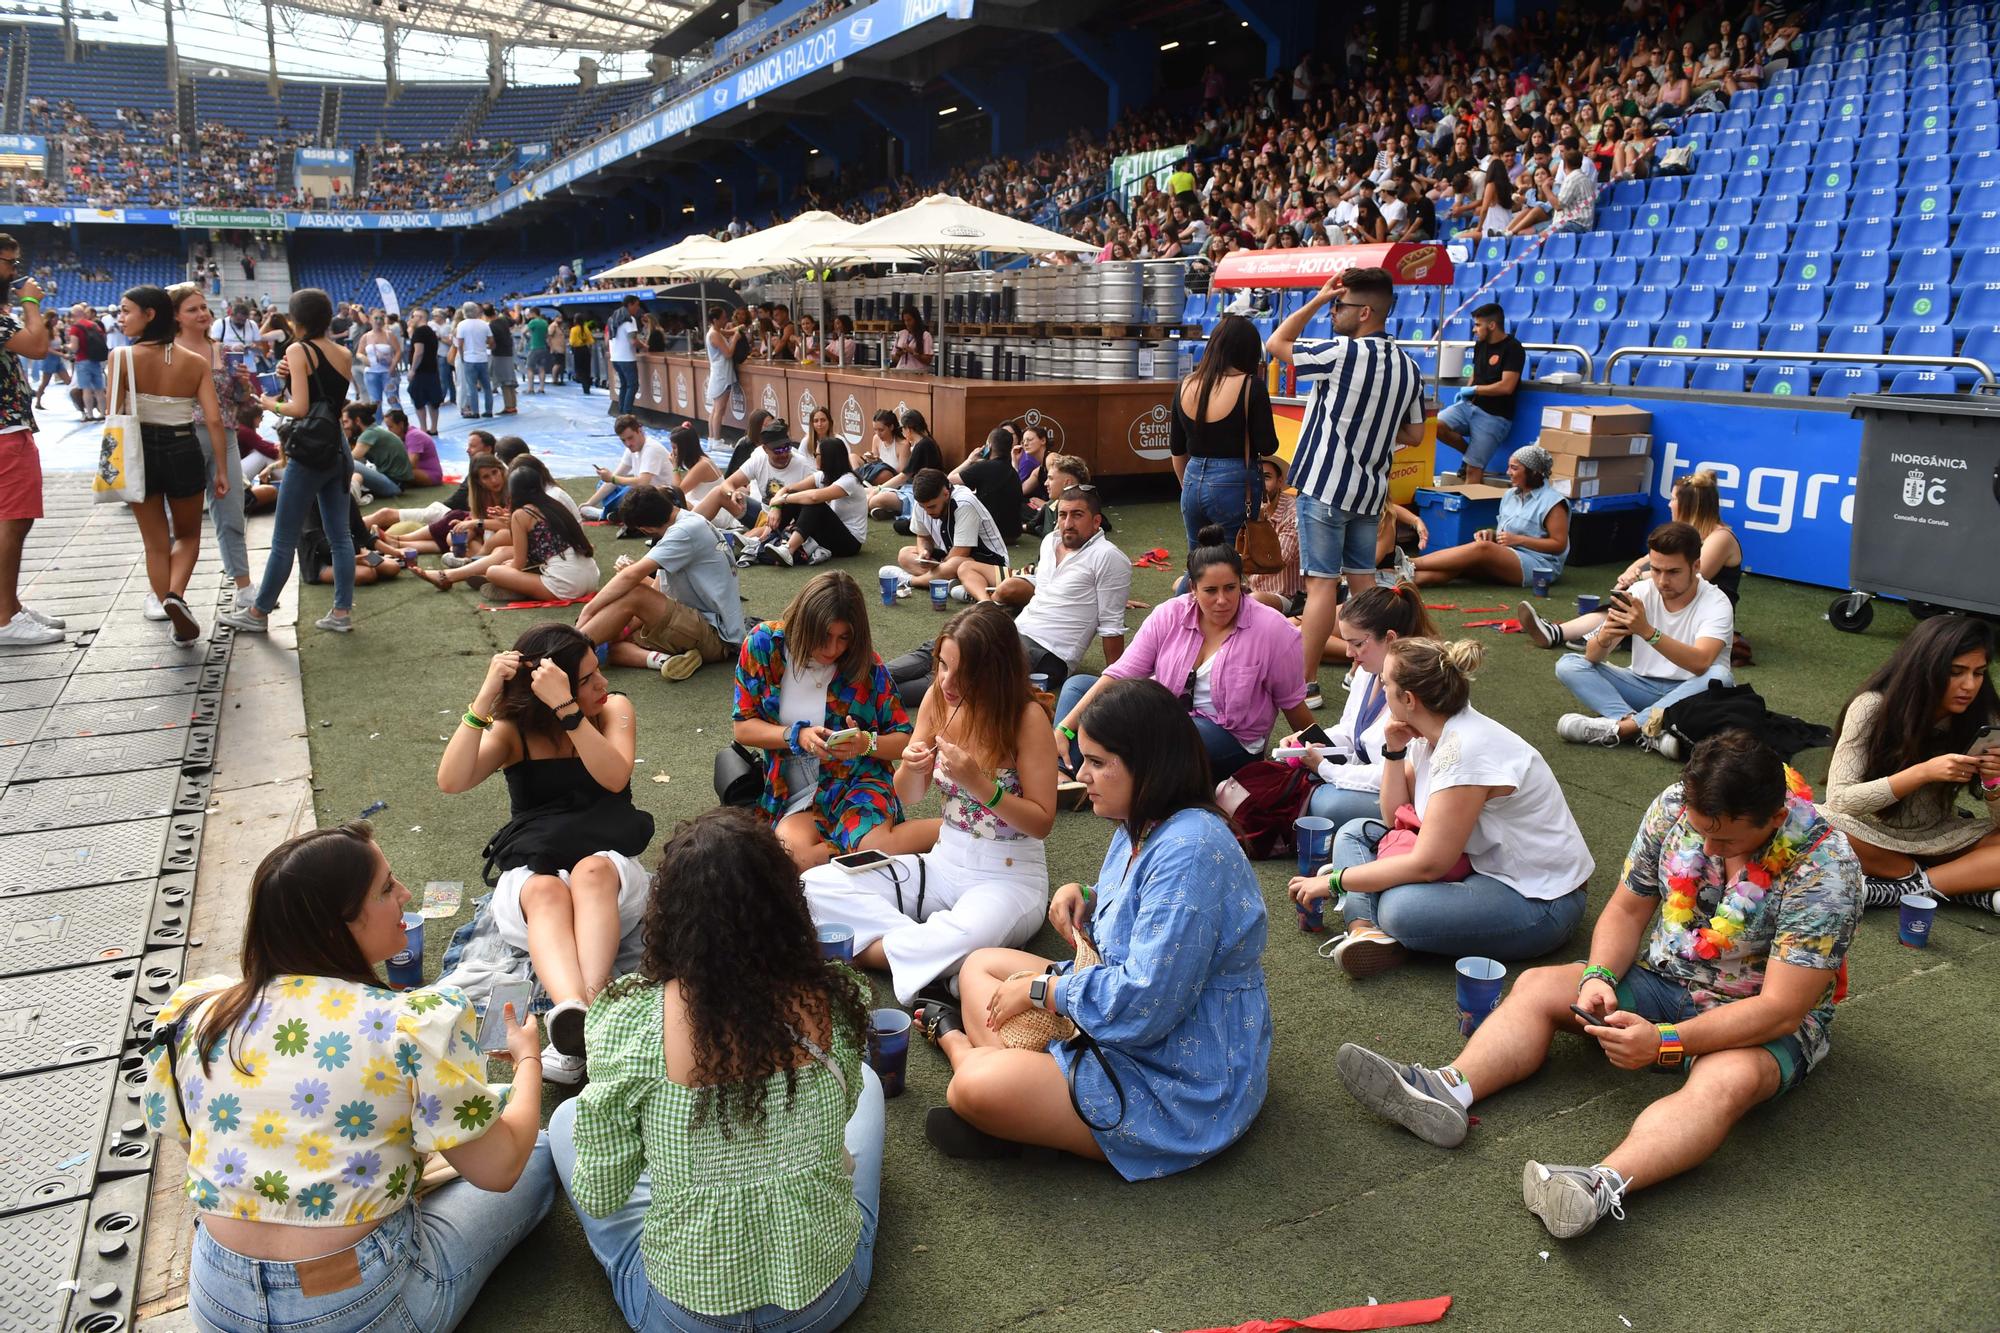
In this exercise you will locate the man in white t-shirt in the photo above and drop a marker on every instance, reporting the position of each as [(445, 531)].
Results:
[(957, 539), (622, 348), (742, 496), (1680, 625), (475, 358), (644, 463)]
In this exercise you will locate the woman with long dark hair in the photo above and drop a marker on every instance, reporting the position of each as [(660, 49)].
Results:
[(318, 369), (728, 1091), (1221, 425), (985, 744), (570, 886), (1174, 1024), (166, 393), (233, 389), (813, 697), (913, 348), (1915, 776), (694, 471), (548, 559), (826, 515), (307, 1094)]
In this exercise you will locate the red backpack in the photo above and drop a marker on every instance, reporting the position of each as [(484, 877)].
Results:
[(1260, 800)]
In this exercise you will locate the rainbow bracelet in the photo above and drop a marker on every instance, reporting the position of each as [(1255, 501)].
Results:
[(1671, 1051)]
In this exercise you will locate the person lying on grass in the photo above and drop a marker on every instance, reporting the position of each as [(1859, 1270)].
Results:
[(1717, 961)]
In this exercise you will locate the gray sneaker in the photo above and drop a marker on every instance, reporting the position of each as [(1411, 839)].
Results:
[(1571, 1200), (246, 619), (1414, 1097), (1585, 729), (337, 624)]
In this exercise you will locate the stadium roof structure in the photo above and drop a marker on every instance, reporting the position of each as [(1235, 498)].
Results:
[(607, 25)]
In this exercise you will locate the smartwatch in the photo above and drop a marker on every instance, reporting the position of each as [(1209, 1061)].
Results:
[(1038, 991)]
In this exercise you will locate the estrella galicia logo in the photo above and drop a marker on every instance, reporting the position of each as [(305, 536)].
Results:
[(721, 94), (860, 28)]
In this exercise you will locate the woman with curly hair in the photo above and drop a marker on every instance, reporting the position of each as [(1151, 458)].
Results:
[(727, 1093), (308, 1092), (813, 697)]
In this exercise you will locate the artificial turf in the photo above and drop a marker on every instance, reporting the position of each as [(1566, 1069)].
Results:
[(1868, 1199)]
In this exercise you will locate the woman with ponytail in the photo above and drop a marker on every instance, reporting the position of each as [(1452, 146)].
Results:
[(1497, 865)]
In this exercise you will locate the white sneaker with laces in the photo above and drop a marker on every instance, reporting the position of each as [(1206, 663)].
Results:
[(959, 594), (152, 610), (814, 553), (24, 630), (560, 1068), (47, 622), (1571, 1200), (1586, 729)]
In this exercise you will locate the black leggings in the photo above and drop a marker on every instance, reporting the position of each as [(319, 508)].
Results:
[(580, 358), (820, 523)]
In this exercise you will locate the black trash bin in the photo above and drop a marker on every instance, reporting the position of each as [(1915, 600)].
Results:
[(1926, 506)]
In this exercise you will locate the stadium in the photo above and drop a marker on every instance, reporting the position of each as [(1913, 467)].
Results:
[(653, 332)]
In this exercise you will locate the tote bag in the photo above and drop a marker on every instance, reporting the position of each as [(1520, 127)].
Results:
[(121, 458)]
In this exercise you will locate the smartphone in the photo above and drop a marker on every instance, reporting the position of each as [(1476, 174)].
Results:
[(493, 1023), (1618, 597), (1593, 1020), (927, 560), (1315, 735), (1288, 752), (1987, 739), (856, 862), (842, 737)]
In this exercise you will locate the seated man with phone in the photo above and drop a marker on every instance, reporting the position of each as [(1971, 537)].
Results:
[(1680, 625), (1717, 961), (956, 538)]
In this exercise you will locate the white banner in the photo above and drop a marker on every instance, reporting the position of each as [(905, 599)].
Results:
[(388, 292)]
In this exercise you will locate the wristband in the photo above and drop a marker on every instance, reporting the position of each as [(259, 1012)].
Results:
[(1395, 754), (999, 792), (1658, 634), (1069, 733), (792, 737), (874, 738), (1089, 893), (1671, 1051), (476, 722), (573, 721), (31, 300), (1333, 880), (1602, 973)]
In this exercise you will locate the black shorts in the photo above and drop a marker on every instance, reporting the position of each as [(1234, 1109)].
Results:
[(426, 391), (173, 461)]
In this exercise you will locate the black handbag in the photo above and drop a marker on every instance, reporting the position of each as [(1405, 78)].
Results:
[(315, 440), (552, 838), (739, 775)]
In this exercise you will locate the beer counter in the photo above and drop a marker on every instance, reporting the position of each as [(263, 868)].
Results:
[(1120, 428)]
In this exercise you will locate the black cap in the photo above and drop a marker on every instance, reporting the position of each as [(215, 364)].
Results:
[(777, 431)]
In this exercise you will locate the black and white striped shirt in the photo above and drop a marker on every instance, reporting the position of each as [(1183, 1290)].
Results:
[(1363, 391)]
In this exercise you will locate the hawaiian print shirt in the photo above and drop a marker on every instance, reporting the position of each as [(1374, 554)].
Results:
[(315, 1112), (1807, 917), (17, 405)]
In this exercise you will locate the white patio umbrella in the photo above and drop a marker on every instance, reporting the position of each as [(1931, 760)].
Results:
[(667, 263), (794, 246), (942, 229)]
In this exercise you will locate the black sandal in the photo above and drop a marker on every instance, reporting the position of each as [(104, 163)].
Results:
[(952, 1135), (936, 1019)]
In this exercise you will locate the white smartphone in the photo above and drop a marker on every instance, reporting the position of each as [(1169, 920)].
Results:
[(493, 1023), (856, 862), (843, 736), (1288, 752)]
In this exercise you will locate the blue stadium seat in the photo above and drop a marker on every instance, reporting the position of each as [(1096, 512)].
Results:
[(1918, 303), (1927, 143), (1978, 305), (1759, 269), (1981, 344), (1658, 373), (1536, 330), (1635, 244), (1799, 336), (1868, 233), (1795, 301), (1833, 151), (1694, 301), (1980, 265), (1784, 380), (1750, 303), (1555, 303), (1585, 333), (1929, 265), (1935, 169), (1747, 181), (1706, 185), (1628, 333), (1537, 276), (1679, 242), (1923, 381), (1599, 302), (1978, 232), (1717, 376), (1825, 206), (1780, 208), (1661, 271), (1976, 199), (1821, 236), (1646, 302), (1426, 360), (1543, 365), (1976, 167), (1878, 174), (1793, 153), (1619, 272), (1491, 250), (1728, 213), (1857, 302), (1709, 270), (1923, 340), (1594, 245), (1926, 201), (1735, 335), (1856, 339), (1653, 217), (1679, 333), (1577, 273), (1845, 381), (1559, 246)]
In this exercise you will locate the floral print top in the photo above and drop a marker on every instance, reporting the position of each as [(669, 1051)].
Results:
[(968, 812), (17, 404), (1806, 917), (317, 1110)]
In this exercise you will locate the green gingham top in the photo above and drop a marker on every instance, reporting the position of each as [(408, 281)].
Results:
[(765, 1216)]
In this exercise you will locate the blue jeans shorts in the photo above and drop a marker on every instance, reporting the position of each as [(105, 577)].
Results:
[(1484, 432), (88, 374), (1333, 541), (1658, 1000)]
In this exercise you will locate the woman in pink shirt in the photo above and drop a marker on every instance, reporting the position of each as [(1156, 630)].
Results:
[(1233, 662)]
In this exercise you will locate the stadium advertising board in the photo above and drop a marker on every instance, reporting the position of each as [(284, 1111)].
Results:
[(23, 152), (259, 219), (760, 27), (324, 159)]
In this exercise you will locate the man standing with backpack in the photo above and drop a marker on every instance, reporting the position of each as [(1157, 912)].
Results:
[(89, 351)]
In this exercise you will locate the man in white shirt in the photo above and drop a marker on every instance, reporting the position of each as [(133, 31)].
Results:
[(237, 332), (644, 463), (743, 495), (474, 337), (622, 348), (957, 538), (1680, 625)]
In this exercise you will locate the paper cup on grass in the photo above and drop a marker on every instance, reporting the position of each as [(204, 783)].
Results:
[(1479, 983), (889, 1047), (1313, 836), (836, 942), (1913, 925)]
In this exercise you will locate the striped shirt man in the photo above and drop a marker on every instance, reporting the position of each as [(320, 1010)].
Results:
[(1364, 390)]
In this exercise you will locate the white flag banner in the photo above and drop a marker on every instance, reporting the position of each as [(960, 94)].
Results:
[(388, 291)]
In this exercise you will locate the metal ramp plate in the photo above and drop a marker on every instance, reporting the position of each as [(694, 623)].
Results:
[(38, 666), (103, 657), (159, 977), (21, 726), (63, 1134), (101, 799), (74, 1267), (18, 694), (112, 686), (193, 747), (10, 759), (117, 717), (44, 861), (41, 932), (66, 1018)]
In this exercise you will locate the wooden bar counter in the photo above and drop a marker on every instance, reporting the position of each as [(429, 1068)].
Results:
[(1118, 428)]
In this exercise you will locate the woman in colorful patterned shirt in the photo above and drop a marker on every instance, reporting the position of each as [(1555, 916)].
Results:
[(307, 1094), (986, 746), (725, 1158), (813, 697)]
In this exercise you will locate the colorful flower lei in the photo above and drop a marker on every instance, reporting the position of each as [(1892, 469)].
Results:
[(1740, 903)]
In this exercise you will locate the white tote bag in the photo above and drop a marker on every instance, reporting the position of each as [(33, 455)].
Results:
[(121, 458)]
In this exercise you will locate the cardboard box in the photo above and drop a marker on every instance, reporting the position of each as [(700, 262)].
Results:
[(1625, 477), (1634, 470), (1569, 442), (1599, 420), (1476, 491)]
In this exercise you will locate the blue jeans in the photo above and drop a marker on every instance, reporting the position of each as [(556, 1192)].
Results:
[(227, 513), (377, 384), (478, 380), (372, 479), (1333, 541), (1213, 490), (1619, 692), (1225, 753), (615, 1239), (422, 1268), (1343, 805), (628, 384), (1476, 916), (1483, 431), (299, 487)]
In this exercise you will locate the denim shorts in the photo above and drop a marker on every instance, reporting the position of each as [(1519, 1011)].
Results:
[(1483, 431), (88, 374), (1659, 1000), (1333, 541)]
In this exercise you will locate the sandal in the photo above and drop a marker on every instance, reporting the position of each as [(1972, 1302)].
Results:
[(953, 1136), (937, 1020)]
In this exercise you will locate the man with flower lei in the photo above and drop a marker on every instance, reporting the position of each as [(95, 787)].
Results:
[(1730, 984)]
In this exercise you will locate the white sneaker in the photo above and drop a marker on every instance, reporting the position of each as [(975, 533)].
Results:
[(335, 623), (560, 1068), (815, 553), (1406, 568), (959, 594), (681, 665), (1571, 1200), (903, 590), (1585, 729), (782, 553), (1540, 630), (152, 610), (746, 555), (565, 1025), (246, 598), (24, 630), (47, 622), (593, 513), (247, 619)]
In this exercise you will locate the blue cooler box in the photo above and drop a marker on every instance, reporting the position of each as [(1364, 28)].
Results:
[(1453, 516)]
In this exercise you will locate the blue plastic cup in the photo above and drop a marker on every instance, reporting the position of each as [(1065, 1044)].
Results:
[(1913, 925), (836, 942), (889, 583), (940, 594), (889, 1048), (1312, 920), (1313, 836), (458, 540), (410, 555), (1038, 681), (1588, 602), (1541, 583), (406, 969), (1479, 982)]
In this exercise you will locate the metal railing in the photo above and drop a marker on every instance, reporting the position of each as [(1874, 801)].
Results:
[(1987, 379), (1439, 344)]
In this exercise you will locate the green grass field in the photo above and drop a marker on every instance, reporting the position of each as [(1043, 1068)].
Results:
[(1866, 1200)]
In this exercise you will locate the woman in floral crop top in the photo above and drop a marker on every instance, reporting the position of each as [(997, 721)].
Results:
[(307, 1094)]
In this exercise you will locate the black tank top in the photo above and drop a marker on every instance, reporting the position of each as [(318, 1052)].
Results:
[(534, 783), (324, 384), (1730, 579)]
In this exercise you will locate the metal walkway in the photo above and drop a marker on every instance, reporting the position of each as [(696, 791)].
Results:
[(105, 743)]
